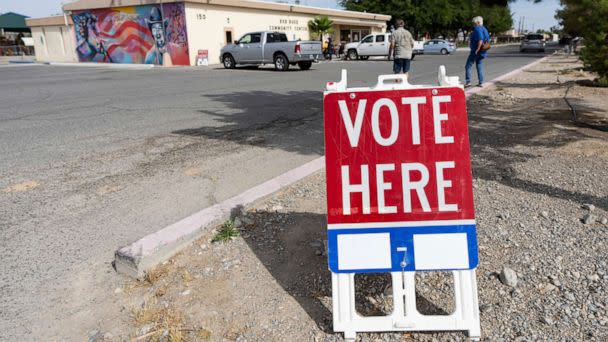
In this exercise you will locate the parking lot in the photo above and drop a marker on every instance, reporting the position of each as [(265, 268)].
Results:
[(95, 158)]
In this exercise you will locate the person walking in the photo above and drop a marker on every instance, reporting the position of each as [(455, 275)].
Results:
[(479, 42), (341, 50), (402, 45)]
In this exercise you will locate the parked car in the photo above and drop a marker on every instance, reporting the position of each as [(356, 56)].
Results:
[(533, 42), (372, 45), (378, 44), (439, 46), (259, 48)]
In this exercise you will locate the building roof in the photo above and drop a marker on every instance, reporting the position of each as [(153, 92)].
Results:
[(273, 6), (57, 20), (15, 22)]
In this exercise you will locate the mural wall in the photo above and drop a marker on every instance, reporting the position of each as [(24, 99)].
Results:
[(137, 34)]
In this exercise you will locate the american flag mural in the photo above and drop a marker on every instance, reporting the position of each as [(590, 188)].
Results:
[(136, 34)]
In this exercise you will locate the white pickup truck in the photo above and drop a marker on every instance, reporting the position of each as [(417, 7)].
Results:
[(258, 48), (377, 44)]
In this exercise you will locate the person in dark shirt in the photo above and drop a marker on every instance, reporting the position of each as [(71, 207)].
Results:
[(479, 36)]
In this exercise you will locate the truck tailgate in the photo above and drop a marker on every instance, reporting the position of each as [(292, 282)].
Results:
[(310, 47)]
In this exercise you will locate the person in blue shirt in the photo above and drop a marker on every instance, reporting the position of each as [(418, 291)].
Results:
[(479, 36)]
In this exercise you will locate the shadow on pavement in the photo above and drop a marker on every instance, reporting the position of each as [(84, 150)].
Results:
[(291, 121)]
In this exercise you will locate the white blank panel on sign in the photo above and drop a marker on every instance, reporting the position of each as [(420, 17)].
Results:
[(441, 251), (364, 251)]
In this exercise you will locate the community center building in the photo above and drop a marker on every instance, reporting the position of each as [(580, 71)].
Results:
[(177, 32)]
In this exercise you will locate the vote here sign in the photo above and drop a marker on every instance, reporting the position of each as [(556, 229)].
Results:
[(399, 185)]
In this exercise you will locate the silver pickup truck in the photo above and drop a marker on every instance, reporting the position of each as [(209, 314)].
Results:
[(259, 48)]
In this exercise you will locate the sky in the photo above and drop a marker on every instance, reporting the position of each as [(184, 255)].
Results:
[(536, 15)]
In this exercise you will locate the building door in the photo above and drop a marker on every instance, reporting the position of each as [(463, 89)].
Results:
[(229, 39), (355, 35), (345, 36)]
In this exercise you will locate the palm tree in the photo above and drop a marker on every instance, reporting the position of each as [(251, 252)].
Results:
[(321, 25)]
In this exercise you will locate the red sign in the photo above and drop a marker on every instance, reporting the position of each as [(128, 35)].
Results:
[(397, 156), (203, 53)]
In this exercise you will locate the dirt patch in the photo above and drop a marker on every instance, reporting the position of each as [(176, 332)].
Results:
[(193, 172), (22, 187), (108, 189)]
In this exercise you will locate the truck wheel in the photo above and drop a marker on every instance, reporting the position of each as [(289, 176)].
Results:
[(352, 55), (280, 62), (304, 65), (444, 51), (228, 61)]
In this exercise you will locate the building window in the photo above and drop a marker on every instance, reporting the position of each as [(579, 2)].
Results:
[(345, 36)]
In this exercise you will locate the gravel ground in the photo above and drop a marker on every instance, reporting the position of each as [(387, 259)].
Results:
[(541, 205)]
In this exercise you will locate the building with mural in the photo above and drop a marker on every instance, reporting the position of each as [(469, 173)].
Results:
[(175, 32)]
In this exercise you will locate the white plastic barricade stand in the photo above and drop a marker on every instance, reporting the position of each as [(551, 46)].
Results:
[(384, 144)]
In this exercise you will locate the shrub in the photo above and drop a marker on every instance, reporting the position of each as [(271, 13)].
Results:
[(587, 18)]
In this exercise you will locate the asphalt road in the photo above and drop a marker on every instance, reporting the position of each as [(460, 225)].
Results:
[(94, 158)]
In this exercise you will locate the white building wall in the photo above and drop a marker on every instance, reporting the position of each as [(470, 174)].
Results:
[(206, 26), (39, 44), (54, 43)]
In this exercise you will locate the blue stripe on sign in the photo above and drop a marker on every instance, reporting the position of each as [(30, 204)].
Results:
[(402, 237)]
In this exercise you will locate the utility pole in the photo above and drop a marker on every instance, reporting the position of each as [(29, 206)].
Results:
[(519, 26)]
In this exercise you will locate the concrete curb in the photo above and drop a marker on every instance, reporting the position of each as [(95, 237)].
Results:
[(105, 65), (134, 259), (19, 65), (22, 62)]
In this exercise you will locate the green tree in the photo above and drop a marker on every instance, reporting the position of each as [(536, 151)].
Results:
[(587, 18), (439, 17), (496, 18), (463, 12), (320, 25)]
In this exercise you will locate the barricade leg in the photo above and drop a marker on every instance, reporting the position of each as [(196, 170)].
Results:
[(405, 316)]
